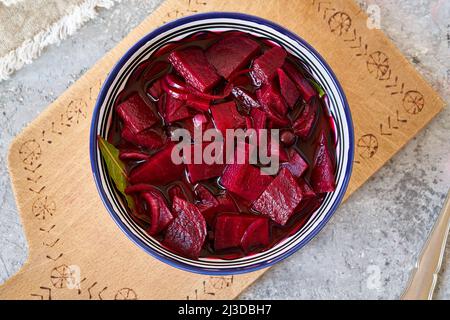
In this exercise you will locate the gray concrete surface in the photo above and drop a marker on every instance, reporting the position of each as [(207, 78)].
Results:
[(368, 248)]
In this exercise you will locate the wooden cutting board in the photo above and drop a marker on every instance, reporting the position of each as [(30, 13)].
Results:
[(75, 249)]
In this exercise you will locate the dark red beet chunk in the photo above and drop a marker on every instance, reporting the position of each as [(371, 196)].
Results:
[(306, 89), (196, 121), (191, 63), (322, 176), (271, 99), (256, 235), (245, 98), (187, 231), (307, 191), (265, 67), (226, 116), (173, 109), (136, 114), (280, 198), (180, 190), (149, 138), (205, 196), (231, 228), (305, 122), (198, 104), (255, 183), (259, 119), (296, 165), (288, 88), (155, 211), (231, 53), (211, 209), (279, 151), (158, 211), (155, 91), (199, 172), (203, 171), (272, 103), (159, 169), (138, 119)]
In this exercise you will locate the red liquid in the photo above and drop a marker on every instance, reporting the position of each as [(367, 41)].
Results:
[(156, 67)]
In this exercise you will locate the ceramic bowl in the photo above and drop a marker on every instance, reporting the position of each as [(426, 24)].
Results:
[(179, 29)]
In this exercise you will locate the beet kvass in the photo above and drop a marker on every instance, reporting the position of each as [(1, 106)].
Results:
[(221, 80)]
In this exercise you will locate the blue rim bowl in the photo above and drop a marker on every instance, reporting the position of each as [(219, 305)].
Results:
[(175, 30)]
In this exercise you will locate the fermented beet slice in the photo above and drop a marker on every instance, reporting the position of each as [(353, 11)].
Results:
[(180, 190), (205, 196), (280, 198), (276, 121), (196, 121), (138, 72), (282, 154), (307, 191), (136, 115), (256, 235), (231, 53), (322, 175), (207, 96), (138, 119), (259, 118), (288, 88), (187, 231), (198, 104), (179, 89), (230, 229), (138, 214), (270, 99), (192, 65), (203, 171), (306, 89), (272, 103), (159, 169), (149, 138), (158, 211), (152, 70), (226, 116), (296, 165), (176, 191), (245, 181), (155, 211), (245, 98), (304, 123), (226, 203), (211, 209), (173, 109), (155, 90), (265, 67), (242, 152), (200, 120), (248, 122)]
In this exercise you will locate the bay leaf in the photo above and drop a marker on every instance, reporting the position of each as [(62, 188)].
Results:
[(116, 168)]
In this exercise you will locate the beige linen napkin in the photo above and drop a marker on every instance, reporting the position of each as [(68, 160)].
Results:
[(28, 26)]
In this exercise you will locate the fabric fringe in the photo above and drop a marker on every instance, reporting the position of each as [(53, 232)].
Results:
[(10, 2), (60, 30)]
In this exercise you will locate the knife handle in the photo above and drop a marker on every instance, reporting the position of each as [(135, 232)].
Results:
[(424, 275)]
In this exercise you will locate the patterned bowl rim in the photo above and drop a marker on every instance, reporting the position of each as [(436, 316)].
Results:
[(194, 265)]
